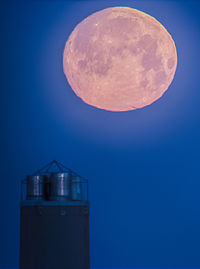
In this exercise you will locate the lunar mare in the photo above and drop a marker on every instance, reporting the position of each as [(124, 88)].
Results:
[(119, 59)]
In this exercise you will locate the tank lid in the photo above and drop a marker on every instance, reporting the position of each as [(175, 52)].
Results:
[(60, 174)]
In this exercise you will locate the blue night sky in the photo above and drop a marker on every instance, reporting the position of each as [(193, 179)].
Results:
[(142, 166)]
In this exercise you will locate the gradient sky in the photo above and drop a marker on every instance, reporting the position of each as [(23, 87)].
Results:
[(142, 166)]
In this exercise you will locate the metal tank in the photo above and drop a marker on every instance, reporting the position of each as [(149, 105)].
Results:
[(76, 188), (60, 186), (35, 187)]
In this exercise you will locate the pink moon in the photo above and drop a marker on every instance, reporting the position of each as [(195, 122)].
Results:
[(119, 59)]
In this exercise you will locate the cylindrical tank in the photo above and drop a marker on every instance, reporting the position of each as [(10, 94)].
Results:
[(76, 188), (60, 186), (35, 187)]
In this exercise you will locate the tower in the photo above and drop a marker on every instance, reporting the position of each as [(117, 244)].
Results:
[(54, 220)]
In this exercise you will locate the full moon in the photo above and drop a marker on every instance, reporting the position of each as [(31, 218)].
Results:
[(119, 59)]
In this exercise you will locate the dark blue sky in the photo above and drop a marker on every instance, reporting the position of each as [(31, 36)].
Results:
[(142, 166)]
